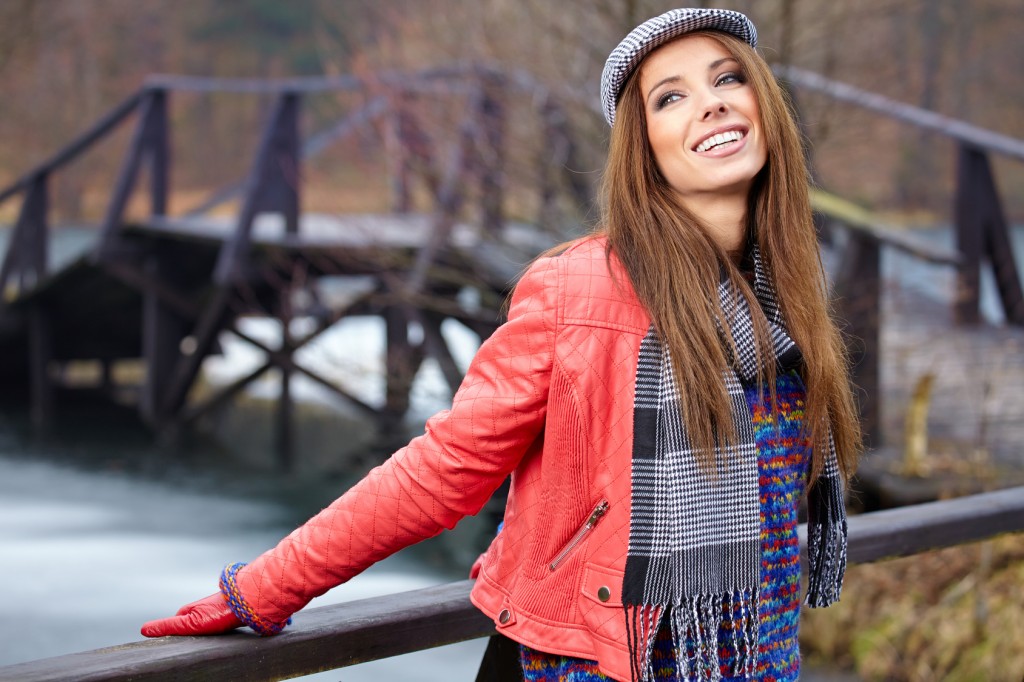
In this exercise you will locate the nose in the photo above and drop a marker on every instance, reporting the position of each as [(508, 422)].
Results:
[(713, 106)]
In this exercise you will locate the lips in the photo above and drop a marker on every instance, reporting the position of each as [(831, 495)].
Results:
[(719, 137)]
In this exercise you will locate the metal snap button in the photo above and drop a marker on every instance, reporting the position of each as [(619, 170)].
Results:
[(505, 616), (603, 593)]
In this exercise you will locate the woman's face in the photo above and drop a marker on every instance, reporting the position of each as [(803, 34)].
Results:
[(703, 122)]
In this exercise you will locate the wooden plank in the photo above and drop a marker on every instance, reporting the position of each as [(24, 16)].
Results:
[(852, 216), (925, 527), (319, 639), (922, 118), (355, 632)]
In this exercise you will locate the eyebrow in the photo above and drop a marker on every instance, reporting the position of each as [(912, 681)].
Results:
[(675, 79)]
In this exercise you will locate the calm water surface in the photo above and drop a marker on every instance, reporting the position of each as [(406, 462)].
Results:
[(89, 556)]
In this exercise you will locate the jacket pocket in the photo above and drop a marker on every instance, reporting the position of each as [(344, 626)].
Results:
[(601, 603), (579, 536)]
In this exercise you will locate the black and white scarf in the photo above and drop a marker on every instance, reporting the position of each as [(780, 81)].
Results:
[(694, 538)]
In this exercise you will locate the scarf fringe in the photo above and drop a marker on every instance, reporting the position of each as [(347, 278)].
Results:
[(695, 623), (826, 543)]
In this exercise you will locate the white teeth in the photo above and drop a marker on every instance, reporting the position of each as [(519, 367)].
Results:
[(721, 138)]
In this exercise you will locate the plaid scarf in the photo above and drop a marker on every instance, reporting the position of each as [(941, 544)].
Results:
[(694, 540)]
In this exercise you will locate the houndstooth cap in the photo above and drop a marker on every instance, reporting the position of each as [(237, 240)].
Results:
[(655, 32)]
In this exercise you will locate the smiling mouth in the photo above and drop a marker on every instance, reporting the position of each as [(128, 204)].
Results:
[(719, 140)]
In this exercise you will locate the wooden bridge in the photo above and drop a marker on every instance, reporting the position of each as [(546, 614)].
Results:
[(165, 288)]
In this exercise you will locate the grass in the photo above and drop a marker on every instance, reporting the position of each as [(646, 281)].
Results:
[(955, 615)]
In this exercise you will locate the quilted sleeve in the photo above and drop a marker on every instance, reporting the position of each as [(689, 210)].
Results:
[(441, 476)]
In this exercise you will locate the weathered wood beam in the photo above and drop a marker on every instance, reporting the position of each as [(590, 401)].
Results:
[(272, 185), (490, 154), (40, 353), (284, 431), (278, 358), (221, 398), (437, 348), (27, 249), (982, 230), (972, 135), (210, 322), (355, 632), (969, 218), (149, 141), (859, 290), (164, 326)]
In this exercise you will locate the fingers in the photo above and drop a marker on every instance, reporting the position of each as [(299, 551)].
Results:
[(207, 616), (164, 627)]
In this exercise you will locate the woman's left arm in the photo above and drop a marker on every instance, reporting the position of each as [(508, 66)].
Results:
[(427, 486)]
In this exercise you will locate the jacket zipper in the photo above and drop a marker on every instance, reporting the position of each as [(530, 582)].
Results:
[(600, 510)]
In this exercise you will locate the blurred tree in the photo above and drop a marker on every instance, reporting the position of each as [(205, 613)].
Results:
[(63, 62)]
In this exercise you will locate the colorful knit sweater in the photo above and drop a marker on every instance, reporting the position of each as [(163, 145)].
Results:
[(783, 462)]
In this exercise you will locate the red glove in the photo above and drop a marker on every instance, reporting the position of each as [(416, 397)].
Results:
[(208, 616)]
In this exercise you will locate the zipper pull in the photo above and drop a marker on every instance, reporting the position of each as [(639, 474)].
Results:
[(600, 510)]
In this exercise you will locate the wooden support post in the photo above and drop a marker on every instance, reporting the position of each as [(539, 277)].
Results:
[(561, 154), (859, 287), (40, 352), (163, 330), (982, 231), (403, 360), (398, 155), (437, 347), (149, 140), (159, 149), (272, 186), (26, 256), (970, 237), (285, 408), (490, 154)]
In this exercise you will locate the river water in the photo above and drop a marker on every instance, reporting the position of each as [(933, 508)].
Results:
[(89, 555)]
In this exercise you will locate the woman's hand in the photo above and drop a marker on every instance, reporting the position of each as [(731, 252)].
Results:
[(208, 616)]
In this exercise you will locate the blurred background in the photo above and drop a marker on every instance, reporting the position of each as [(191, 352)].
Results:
[(119, 518)]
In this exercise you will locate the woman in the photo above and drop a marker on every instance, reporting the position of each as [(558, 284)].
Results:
[(661, 394)]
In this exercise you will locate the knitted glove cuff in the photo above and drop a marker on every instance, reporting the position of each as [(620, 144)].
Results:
[(242, 610)]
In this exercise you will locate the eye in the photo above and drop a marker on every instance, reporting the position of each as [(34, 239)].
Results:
[(668, 98), (730, 78)]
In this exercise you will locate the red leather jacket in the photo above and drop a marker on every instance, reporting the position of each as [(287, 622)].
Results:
[(549, 399)]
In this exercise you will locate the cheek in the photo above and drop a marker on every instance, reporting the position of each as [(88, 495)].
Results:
[(664, 141)]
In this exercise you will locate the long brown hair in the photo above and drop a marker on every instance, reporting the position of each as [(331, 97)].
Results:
[(674, 266)]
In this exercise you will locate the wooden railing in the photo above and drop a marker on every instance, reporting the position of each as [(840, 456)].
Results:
[(346, 634), (180, 328), (981, 227), (982, 234)]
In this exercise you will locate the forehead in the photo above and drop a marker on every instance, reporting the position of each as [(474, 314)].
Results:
[(688, 56)]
